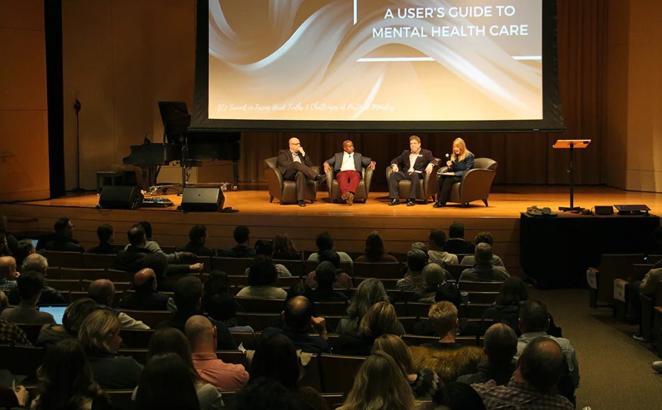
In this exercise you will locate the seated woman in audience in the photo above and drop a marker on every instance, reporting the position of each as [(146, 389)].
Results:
[(374, 250), (482, 237), (369, 292), (433, 277), (276, 358), (197, 237), (166, 384), (99, 335), (66, 381), (325, 275), (380, 319), (74, 315), (380, 384), (425, 383), (171, 340), (262, 278), (512, 295), (342, 279), (283, 248)]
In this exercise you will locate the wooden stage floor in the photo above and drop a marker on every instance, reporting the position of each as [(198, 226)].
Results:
[(400, 225)]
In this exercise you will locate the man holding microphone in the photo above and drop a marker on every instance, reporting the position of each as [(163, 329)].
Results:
[(294, 165)]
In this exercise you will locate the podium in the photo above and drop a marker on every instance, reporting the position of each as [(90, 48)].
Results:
[(571, 145)]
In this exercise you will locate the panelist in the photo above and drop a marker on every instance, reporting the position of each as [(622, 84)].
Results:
[(461, 161), (411, 165), (347, 167), (294, 165)]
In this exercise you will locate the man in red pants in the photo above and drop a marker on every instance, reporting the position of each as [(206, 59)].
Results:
[(348, 166)]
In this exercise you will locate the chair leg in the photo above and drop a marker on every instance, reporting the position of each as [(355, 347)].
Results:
[(271, 198), (485, 202)]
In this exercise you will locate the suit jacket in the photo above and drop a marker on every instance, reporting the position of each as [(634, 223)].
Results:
[(359, 161), (285, 160), (424, 158), (461, 167)]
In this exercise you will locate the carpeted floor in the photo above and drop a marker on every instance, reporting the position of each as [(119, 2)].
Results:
[(615, 370)]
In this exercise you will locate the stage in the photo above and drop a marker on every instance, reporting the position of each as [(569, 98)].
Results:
[(349, 225)]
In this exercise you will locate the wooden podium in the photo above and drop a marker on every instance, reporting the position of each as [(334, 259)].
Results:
[(571, 145)]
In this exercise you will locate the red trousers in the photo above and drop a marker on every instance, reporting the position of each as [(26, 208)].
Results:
[(348, 181)]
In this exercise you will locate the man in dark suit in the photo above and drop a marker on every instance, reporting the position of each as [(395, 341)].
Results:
[(294, 165), (411, 165), (347, 167)]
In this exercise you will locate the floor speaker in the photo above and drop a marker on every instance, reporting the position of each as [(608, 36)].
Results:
[(202, 199), (120, 197)]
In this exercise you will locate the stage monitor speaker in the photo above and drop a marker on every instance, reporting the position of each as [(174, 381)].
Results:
[(603, 210), (202, 199), (120, 197)]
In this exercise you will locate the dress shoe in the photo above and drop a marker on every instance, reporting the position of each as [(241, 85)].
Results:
[(302, 203), (394, 201), (657, 366), (344, 196), (320, 178), (411, 202), (438, 205), (350, 198)]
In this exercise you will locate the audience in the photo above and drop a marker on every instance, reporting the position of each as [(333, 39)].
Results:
[(298, 321), (342, 279), (324, 242), (459, 396), (102, 291), (145, 295), (23, 250), (99, 335), (8, 243), (29, 286), (49, 296), (413, 279), (266, 248), (374, 250), (483, 270), (166, 383), (202, 335), (283, 248), (380, 319), (8, 274), (482, 237), (267, 394), (4, 301), (647, 286), (197, 237), (63, 239), (73, 316), (325, 276), (436, 252), (533, 384), (66, 380), (262, 279), (512, 295), (456, 243), (500, 346), (241, 249), (12, 335), (380, 384), (14, 398), (219, 304), (105, 234), (433, 277), (369, 292)]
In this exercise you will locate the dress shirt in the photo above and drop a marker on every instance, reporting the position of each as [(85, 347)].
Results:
[(296, 157), (348, 162), (225, 376), (412, 161)]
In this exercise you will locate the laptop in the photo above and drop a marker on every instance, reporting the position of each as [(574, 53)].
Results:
[(57, 311)]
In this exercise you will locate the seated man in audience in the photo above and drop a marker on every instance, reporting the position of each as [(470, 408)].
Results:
[(10, 333), (105, 246), (145, 295), (482, 237), (647, 286), (202, 335), (242, 236), (447, 357), (29, 286), (154, 247), (23, 250), (325, 276), (436, 252), (500, 346), (533, 384), (197, 237), (298, 323), (63, 239), (49, 296), (534, 322), (8, 274), (324, 242), (456, 243), (413, 280), (102, 291), (483, 270)]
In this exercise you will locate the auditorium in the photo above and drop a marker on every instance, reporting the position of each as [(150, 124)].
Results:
[(331, 204)]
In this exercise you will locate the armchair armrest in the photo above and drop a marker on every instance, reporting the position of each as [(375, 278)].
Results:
[(367, 179), (329, 180)]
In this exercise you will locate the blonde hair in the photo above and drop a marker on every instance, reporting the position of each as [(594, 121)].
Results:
[(463, 147), (379, 385), (97, 329), (380, 319), (443, 317), (395, 347)]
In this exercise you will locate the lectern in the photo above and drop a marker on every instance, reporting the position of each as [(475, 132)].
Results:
[(571, 145)]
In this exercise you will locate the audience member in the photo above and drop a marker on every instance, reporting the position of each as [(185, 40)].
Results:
[(482, 237), (266, 248), (14, 398), (325, 276), (374, 250), (8, 274), (298, 321), (99, 334), (4, 301), (29, 286), (262, 278), (379, 384), (12, 335), (219, 304), (105, 234), (413, 279), (8, 243), (242, 248), (102, 291), (202, 335), (456, 243), (283, 248), (63, 239), (35, 262), (500, 346), (447, 357), (171, 340), (276, 359), (533, 384), (512, 295), (483, 270), (458, 396), (166, 384), (436, 252), (23, 249), (369, 292), (66, 380), (647, 286), (197, 237), (380, 319), (342, 279), (73, 316), (433, 277), (49, 296), (324, 242), (267, 394), (145, 295)]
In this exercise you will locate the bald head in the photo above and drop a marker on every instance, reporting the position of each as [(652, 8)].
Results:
[(298, 312), (348, 146), (500, 342), (144, 280), (542, 363), (201, 334), (294, 144), (102, 291), (8, 267)]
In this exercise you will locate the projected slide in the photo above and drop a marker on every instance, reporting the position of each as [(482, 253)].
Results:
[(375, 60)]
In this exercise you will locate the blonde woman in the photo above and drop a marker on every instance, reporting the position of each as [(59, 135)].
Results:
[(381, 385), (461, 161)]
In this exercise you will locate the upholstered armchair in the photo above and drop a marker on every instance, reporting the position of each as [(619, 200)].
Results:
[(476, 183), (286, 191), (427, 187), (362, 191)]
